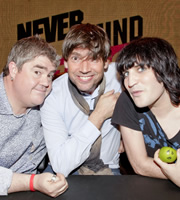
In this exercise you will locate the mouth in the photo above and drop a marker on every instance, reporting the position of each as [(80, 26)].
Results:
[(41, 91), (85, 78), (136, 93)]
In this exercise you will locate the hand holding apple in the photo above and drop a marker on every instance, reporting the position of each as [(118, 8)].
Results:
[(171, 171)]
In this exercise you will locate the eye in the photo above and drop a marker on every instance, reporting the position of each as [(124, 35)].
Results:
[(125, 74), (51, 76), (141, 68), (37, 72), (74, 58)]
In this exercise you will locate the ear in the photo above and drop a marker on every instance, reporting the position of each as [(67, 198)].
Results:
[(106, 64), (65, 64), (13, 70)]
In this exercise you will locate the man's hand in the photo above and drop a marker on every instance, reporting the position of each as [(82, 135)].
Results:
[(104, 108), (171, 171), (52, 187)]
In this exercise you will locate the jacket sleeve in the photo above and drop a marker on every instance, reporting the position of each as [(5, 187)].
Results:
[(5, 180)]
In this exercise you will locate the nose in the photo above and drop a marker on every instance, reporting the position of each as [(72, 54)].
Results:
[(84, 67), (131, 79), (45, 81)]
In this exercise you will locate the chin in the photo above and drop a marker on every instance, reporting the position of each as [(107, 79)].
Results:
[(38, 102), (140, 105), (85, 90)]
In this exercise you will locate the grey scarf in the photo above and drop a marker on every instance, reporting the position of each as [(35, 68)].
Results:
[(93, 165)]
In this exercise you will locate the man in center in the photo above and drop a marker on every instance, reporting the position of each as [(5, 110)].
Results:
[(76, 116)]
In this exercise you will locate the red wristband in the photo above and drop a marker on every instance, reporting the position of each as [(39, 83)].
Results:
[(31, 183)]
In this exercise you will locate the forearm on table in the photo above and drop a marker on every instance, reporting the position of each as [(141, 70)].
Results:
[(20, 182), (148, 168), (66, 161)]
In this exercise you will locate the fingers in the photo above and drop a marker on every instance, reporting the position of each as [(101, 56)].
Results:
[(178, 154), (110, 97), (156, 158), (159, 162), (104, 108), (60, 191), (109, 93), (156, 154), (62, 183), (61, 178), (53, 178), (117, 94), (178, 157), (64, 188), (50, 184)]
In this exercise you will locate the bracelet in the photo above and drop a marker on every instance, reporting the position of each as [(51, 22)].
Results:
[(31, 183)]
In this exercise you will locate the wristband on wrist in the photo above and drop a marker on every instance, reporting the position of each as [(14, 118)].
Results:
[(31, 183)]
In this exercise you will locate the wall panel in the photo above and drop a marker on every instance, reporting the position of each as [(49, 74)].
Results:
[(159, 18)]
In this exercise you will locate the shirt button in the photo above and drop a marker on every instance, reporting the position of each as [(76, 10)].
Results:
[(32, 148)]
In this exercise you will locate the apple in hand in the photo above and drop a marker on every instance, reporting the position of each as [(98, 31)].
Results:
[(167, 154)]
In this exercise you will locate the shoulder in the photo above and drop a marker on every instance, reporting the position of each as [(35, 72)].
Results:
[(112, 81), (124, 99), (61, 80), (124, 104), (59, 93), (125, 113), (60, 86), (111, 71), (5, 107)]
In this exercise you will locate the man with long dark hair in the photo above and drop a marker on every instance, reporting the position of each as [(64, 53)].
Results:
[(148, 111)]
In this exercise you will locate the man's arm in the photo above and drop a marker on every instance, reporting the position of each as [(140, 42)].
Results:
[(68, 149), (42, 182), (170, 170), (104, 108), (13, 182), (137, 155), (69, 135)]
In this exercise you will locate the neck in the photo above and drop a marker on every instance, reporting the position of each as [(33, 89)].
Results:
[(162, 106)]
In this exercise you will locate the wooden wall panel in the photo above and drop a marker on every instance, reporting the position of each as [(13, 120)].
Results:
[(159, 18)]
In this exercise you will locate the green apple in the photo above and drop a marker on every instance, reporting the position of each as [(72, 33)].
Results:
[(167, 154)]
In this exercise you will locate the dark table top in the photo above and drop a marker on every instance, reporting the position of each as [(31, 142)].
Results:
[(125, 187)]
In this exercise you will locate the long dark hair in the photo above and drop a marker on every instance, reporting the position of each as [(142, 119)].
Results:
[(158, 54)]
